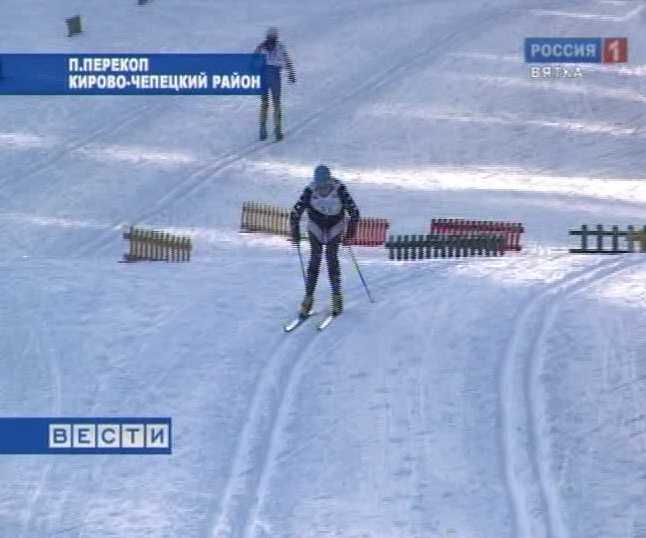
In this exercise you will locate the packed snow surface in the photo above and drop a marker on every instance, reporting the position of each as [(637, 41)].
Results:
[(477, 398)]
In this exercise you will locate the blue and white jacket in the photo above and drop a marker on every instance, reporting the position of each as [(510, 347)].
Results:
[(276, 56)]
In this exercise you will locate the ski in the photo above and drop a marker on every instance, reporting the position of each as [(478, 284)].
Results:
[(326, 321), (296, 322)]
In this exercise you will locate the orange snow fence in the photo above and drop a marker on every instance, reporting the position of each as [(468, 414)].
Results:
[(267, 218), (259, 217), (371, 232), (152, 245)]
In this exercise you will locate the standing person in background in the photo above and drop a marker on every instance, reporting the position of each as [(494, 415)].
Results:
[(327, 201), (276, 59)]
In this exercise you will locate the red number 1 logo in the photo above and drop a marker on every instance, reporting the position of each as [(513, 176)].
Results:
[(615, 50)]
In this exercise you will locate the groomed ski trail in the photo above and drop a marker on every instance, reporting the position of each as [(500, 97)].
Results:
[(272, 398), (275, 448), (535, 503), (71, 146), (36, 348)]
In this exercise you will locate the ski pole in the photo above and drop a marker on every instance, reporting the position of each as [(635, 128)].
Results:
[(363, 280)]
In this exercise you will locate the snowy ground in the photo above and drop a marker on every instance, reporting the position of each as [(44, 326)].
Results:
[(477, 398)]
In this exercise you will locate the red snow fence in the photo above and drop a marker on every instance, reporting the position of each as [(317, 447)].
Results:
[(511, 231), (153, 245), (264, 218), (371, 232)]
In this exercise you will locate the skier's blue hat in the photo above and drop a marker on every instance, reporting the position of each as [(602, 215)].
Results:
[(322, 174)]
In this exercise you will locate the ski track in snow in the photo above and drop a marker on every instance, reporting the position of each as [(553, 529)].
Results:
[(241, 496), (533, 496), (287, 402), (261, 434), (203, 174), (291, 377), (275, 441), (634, 418), (106, 129), (54, 374)]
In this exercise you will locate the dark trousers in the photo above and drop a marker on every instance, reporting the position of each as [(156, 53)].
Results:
[(332, 259), (273, 87)]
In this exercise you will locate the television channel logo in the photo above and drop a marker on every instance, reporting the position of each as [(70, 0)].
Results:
[(576, 50), (63, 435)]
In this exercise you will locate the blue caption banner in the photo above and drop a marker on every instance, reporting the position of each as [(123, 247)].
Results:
[(132, 74), (563, 50), (75, 435)]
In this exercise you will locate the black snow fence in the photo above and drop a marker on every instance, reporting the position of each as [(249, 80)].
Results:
[(423, 247), (614, 240)]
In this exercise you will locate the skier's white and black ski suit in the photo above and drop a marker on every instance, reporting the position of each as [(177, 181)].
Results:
[(326, 226)]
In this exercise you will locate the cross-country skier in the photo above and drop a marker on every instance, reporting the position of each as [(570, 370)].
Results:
[(276, 58), (327, 201)]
